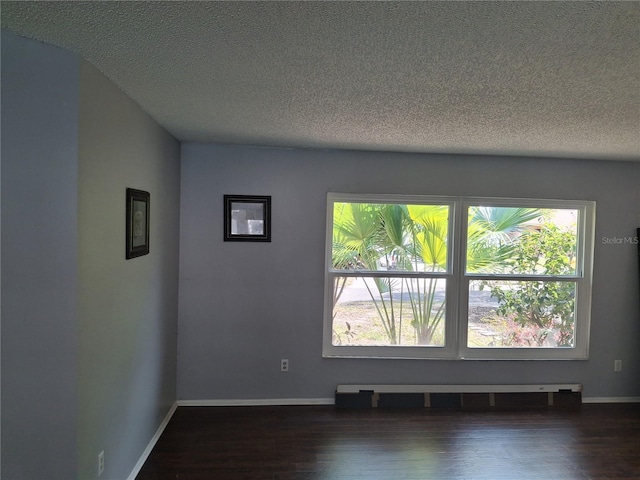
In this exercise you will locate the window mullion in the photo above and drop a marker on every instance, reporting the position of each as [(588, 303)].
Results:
[(523, 278), (388, 273), (461, 286)]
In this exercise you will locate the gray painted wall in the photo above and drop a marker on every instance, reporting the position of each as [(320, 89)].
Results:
[(39, 260), (88, 338), (127, 309), (244, 306)]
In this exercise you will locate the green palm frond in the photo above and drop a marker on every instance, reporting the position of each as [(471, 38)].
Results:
[(491, 233)]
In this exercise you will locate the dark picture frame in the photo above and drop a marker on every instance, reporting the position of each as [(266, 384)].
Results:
[(137, 223), (247, 218)]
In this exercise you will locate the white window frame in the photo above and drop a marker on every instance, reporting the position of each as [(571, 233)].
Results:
[(457, 294)]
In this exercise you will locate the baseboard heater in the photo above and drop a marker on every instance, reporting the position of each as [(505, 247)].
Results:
[(459, 396)]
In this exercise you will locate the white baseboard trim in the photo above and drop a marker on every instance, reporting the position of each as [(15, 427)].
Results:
[(152, 443), (260, 402), (610, 399)]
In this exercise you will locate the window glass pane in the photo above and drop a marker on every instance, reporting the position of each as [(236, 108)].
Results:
[(374, 237), (520, 314), (527, 241), (388, 311)]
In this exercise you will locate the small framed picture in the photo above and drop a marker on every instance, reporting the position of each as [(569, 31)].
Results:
[(247, 218), (137, 223)]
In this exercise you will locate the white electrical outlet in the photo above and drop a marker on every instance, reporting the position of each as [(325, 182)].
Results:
[(100, 463), (617, 365), (284, 365)]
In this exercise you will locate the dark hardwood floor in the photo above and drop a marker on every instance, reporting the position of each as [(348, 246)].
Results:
[(322, 442)]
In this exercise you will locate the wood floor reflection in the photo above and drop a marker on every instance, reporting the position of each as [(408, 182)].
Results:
[(322, 442)]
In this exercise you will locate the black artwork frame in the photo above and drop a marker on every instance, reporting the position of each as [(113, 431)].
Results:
[(138, 210), (247, 218)]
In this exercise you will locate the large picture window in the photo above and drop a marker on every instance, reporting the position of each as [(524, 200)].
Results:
[(441, 277)]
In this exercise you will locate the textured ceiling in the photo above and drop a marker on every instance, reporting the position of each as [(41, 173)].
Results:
[(514, 78)]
